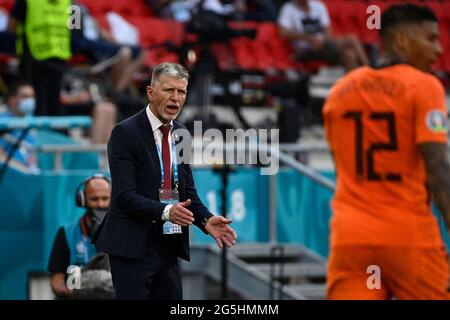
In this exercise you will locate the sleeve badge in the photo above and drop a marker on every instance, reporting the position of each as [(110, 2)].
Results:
[(436, 121)]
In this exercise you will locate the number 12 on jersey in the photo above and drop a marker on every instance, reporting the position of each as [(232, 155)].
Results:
[(367, 157)]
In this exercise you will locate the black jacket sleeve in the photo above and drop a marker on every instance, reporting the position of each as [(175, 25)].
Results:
[(122, 164)]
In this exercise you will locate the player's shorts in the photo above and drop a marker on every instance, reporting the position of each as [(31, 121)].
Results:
[(377, 273)]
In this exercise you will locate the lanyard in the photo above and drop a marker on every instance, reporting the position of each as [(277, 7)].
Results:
[(85, 239), (86, 254), (174, 164)]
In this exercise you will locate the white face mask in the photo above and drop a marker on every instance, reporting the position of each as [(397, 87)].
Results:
[(27, 106)]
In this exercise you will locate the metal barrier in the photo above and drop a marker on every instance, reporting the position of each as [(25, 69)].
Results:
[(25, 124), (59, 149)]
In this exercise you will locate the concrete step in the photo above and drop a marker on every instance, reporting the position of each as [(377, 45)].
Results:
[(310, 290), (293, 269)]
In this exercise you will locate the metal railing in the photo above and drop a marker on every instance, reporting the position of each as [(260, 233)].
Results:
[(59, 149)]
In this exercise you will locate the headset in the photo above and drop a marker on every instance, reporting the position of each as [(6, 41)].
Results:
[(80, 197)]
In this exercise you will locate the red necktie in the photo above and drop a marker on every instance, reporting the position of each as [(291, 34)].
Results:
[(166, 156)]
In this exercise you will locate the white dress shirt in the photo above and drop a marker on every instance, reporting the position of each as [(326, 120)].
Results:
[(155, 123)]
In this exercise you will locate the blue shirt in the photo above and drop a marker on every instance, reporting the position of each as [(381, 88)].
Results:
[(25, 154)]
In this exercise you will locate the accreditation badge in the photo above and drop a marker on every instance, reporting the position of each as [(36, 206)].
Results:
[(170, 196)]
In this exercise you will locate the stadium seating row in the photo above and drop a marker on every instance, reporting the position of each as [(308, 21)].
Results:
[(126, 8), (350, 16), (267, 50)]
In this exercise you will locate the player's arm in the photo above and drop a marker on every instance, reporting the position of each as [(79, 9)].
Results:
[(438, 176)]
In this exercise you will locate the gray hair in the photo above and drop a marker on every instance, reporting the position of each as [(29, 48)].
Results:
[(171, 69)]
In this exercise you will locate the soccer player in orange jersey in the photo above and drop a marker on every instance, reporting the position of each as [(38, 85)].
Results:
[(387, 129)]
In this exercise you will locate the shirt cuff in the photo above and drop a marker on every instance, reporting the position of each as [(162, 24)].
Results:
[(165, 215)]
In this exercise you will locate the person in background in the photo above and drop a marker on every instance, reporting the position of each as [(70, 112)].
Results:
[(387, 128), (76, 99), (306, 23), (20, 102), (72, 245), (43, 43), (98, 44)]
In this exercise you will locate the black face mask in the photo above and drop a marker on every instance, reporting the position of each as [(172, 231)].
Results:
[(97, 215)]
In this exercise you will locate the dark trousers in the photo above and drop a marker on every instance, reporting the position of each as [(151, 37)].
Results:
[(47, 77), (156, 276)]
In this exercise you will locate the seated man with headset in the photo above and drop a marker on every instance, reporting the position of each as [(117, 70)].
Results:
[(72, 244)]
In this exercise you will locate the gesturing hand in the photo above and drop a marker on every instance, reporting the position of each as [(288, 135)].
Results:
[(180, 215), (218, 227)]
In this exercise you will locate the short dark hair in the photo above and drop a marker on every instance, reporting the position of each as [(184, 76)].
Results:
[(405, 13), (13, 88)]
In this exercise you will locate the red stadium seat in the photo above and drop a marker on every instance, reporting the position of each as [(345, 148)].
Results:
[(155, 31), (7, 4), (335, 13), (243, 53), (372, 35), (353, 22), (5, 58), (126, 8), (158, 55), (176, 32), (224, 56)]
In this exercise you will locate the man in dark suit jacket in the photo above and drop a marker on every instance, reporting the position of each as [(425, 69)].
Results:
[(143, 259)]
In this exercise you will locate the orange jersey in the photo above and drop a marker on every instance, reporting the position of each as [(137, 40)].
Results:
[(374, 121)]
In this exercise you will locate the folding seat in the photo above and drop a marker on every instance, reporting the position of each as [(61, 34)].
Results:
[(335, 13), (446, 10), (280, 50), (175, 32), (373, 35), (92, 6), (359, 18), (167, 56), (138, 8), (7, 4), (447, 62), (348, 18), (266, 31), (157, 28), (98, 7), (223, 55), (243, 53), (158, 55), (262, 56), (260, 46)]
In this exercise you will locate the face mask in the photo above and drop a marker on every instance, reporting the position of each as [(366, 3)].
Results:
[(27, 106), (97, 216)]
